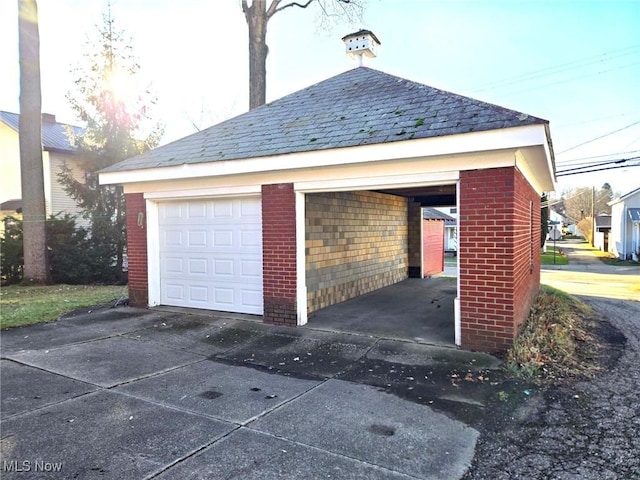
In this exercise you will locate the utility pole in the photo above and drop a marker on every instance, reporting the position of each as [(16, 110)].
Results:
[(593, 217)]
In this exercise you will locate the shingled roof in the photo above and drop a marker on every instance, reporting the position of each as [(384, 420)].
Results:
[(433, 214), (358, 107), (54, 135)]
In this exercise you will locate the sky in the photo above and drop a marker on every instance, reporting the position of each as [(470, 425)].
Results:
[(575, 63)]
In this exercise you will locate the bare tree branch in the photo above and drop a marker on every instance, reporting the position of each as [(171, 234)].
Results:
[(273, 8), (292, 4)]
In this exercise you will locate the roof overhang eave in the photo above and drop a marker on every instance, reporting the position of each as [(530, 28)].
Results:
[(529, 136)]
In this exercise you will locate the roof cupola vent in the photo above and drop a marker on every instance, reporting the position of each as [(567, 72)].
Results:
[(360, 44)]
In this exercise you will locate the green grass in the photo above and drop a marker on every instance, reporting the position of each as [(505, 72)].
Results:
[(610, 259), (547, 258), (555, 342), (37, 304)]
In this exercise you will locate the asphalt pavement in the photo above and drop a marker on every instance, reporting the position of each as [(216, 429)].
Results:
[(579, 429)]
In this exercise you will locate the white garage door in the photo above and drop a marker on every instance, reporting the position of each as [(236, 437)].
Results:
[(211, 254)]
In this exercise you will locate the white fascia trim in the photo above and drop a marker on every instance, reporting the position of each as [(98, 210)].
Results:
[(365, 183), (237, 191), (301, 261), (550, 156), (457, 314), (153, 253), (507, 138)]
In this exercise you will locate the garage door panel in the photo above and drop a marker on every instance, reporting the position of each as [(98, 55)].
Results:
[(174, 265), (196, 238), (211, 254), (252, 298), (251, 269), (250, 209), (223, 209), (223, 238), (196, 210), (172, 238), (223, 267), (250, 238), (198, 266), (174, 292)]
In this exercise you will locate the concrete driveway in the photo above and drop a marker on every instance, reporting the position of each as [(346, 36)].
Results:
[(132, 393)]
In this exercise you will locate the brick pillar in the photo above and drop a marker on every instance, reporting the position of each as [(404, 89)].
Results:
[(137, 250), (415, 238), (499, 256), (279, 254)]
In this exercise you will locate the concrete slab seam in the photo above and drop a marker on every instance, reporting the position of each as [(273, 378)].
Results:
[(172, 407), (194, 453), (103, 387), (285, 403), (154, 374), (49, 405), (2, 357), (318, 449)]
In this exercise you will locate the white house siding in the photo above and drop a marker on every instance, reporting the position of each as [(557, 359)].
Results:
[(58, 201), (621, 241), (10, 179)]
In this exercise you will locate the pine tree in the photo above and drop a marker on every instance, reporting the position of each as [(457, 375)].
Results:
[(117, 127)]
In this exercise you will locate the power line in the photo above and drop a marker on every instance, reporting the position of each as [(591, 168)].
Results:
[(562, 126), (552, 70), (580, 77), (596, 170), (579, 159), (623, 160), (598, 138)]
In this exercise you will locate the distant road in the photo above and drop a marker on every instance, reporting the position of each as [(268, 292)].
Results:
[(587, 275)]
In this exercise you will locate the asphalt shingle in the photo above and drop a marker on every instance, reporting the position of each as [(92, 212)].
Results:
[(358, 107), (55, 135), (434, 214)]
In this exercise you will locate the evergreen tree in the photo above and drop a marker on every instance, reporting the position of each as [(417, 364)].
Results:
[(544, 219), (118, 126)]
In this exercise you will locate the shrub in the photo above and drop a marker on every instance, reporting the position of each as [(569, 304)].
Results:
[(11, 254), (74, 257)]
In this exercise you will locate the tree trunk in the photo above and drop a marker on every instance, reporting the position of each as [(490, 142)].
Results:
[(30, 133), (257, 19)]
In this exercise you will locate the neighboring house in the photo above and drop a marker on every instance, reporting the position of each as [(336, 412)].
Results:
[(450, 229), (624, 240), (56, 150), (316, 198), (433, 240), (602, 224), (555, 226)]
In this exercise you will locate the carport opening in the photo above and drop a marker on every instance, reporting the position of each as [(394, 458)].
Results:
[(364, 264)]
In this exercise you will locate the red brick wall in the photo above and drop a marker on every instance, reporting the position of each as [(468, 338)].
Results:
[(527, 247), (279, 253), (499, 256), (137, 250), (432, 246)]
